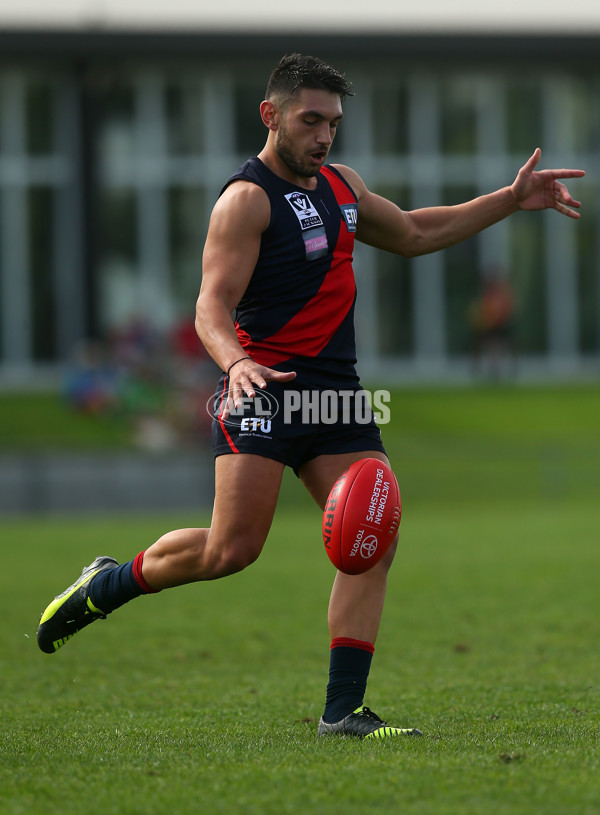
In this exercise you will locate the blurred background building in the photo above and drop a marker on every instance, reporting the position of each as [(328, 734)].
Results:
[(120, 121)]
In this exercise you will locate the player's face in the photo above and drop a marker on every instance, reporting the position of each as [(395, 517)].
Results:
[(306, 131)]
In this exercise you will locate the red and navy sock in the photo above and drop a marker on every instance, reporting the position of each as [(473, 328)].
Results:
[(115, 587), (350, 662)]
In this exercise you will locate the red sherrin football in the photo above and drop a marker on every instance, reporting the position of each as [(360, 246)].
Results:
[(361, 516)]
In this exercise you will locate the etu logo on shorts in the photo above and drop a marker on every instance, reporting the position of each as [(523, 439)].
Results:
[(350, 214), (255, 425)]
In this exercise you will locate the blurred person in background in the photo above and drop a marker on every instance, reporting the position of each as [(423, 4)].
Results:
[(491, 318)]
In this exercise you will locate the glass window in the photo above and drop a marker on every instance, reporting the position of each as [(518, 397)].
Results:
[(185, 126), (2, 270), (391, 125), (462, 280), (41, 254), (394, 305), (118, 272), (117, 138), (458, 116), (529, 284), (39, 106), (117, 224), (394, 292), (188, 222), (524, 115), (587, 272), (584, 94), (250, 132)]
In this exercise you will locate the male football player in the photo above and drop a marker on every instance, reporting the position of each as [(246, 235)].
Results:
[(278, 253)]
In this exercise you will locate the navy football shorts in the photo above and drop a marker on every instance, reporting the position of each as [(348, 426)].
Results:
[(296, 421)]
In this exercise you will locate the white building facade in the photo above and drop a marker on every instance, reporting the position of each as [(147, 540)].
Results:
[(118, 127)]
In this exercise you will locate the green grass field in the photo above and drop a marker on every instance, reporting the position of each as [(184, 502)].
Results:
[(205, 699)]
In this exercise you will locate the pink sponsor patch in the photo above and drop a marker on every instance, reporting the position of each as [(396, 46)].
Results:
[(315, 244)]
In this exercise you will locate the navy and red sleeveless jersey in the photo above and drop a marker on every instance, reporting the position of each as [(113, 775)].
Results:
[(299, 304)]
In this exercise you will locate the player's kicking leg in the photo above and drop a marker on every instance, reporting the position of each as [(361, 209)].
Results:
[(246, 491), (355, 610)]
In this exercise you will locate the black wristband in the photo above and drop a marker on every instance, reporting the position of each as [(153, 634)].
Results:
[(235, 363)]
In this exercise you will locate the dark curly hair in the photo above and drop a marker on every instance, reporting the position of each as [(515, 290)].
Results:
[(297, 71)]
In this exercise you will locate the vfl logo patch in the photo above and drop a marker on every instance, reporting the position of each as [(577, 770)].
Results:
[(307, 215), (350, 215)]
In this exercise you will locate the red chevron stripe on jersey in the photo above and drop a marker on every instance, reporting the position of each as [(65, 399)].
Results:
[(309, 331)]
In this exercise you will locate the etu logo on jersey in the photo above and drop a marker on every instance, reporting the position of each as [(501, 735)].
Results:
[(305, 211), (350, 214)]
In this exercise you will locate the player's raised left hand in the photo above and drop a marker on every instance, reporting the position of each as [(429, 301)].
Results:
[(542, 190)]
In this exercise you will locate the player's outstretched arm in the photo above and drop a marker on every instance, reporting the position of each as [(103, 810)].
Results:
[(384, 225)]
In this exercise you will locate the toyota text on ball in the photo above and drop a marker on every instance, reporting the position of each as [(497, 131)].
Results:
[(367, 546)]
